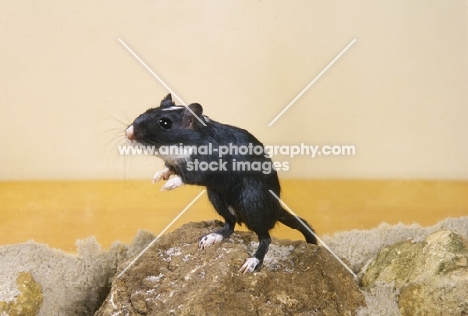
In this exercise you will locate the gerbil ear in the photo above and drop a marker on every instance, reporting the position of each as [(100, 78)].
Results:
[(167, 101), (192, 115)]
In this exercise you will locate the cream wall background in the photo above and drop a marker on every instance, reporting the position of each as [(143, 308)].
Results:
[(399, 94)]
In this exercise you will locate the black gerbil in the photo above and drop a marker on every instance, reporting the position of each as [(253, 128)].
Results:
[(229, 161)]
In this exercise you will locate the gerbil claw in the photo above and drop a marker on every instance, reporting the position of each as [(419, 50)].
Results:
[(249, 265), (209, 240), (172, 184), (162, 175)]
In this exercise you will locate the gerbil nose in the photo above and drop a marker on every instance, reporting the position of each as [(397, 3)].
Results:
[(129, 133)]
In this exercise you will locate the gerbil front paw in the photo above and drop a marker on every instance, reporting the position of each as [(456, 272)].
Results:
[(162, 175), (209, 240), (250, 265), (173, 183)]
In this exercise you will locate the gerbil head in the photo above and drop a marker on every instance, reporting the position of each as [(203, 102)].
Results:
[(167, 124)]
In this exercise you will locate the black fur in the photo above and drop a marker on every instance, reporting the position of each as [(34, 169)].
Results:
[(245, 192)]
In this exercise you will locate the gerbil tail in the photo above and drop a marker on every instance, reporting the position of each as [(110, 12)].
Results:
[(299, 224)]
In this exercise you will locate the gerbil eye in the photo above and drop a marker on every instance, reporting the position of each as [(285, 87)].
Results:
[(165, 123)]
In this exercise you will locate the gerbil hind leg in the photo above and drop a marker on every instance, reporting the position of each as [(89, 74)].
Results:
[(291, 221), (254, 263), (230, 221), (217, 236)]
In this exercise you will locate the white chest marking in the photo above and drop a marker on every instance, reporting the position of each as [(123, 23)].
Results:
[(232, 210)]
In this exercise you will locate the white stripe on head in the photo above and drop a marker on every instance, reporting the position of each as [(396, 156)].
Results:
[(174, 107)]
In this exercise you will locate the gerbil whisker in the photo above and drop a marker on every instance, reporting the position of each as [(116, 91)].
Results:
[(115, 119)]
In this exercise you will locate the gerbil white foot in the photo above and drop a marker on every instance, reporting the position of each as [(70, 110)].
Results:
[(172, 183), (249, 265), (162, 175), (209, 240)]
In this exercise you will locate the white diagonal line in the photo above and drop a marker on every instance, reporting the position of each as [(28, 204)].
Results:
[(151, 71), (313, 81), (159, 79), (160, 234), (312, 232)]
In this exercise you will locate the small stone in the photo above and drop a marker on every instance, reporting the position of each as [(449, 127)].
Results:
[(28, 302), (431, 276)]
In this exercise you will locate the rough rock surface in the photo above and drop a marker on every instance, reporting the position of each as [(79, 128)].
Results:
[(28, 301), (74, 285), (174, 277), (431, 276)]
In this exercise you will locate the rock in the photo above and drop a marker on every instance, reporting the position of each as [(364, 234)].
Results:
[(175, 277), (431, 276), (71, 284), (29, 300)]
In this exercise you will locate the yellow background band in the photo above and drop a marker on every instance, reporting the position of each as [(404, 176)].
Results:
[(59, 212)]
